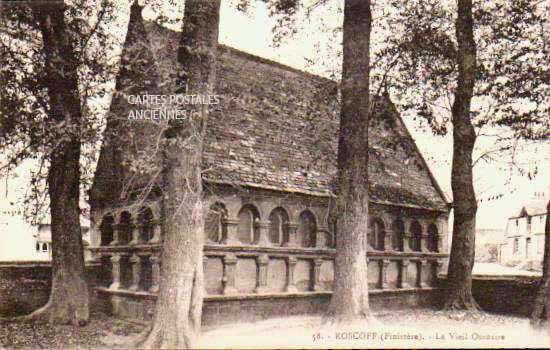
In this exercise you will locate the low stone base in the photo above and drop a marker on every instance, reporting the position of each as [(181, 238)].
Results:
[(219, 310)]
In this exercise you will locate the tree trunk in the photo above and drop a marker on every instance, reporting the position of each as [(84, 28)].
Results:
[(459, 279), (350, 299), (541, 309), (177, 320), (69, 299)]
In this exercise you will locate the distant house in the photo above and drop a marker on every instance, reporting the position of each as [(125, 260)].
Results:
[(525, 233), (21, 241)]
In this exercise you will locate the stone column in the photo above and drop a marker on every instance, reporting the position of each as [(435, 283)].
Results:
[(263, 233), (422, 267), (424, 244), (136, 272), (317, 274), (407, 241), (388, 240), (383, 281), (262, 261), (115, 261), (116, 240), (402, 283), (291, 241), (322, 234), (155, 272), (436, 268), (291, 262), (229, 270), (156, 233), (232, 226), (134, 230)]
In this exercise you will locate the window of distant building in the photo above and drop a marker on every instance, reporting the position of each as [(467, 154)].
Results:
[(528, 220), (44, 247), (517, 222), (37, 246), (516, 245)]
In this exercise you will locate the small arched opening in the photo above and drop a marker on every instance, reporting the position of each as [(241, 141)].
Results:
[(416, 236), (433, 238), (377, 234), (247, 230), (215, 228), (278, 226), (398, 235), (125, 228), (307, 228), (106, 230), (145, 220)]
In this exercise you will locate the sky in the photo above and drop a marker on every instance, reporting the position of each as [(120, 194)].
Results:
[(500, 191)]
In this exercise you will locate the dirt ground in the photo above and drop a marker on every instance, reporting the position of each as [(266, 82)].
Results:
[(409, 328)]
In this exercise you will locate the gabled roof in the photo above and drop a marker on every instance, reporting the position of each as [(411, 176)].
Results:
[(535, 207), (277, 128)]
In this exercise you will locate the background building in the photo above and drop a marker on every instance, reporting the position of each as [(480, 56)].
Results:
[(525, 234)]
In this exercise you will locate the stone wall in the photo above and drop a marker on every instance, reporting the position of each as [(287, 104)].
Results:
[(220, 310), (25, 286), (510, 295)]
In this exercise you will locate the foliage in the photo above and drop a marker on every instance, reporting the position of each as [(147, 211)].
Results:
[(512, 72), (27, 128)]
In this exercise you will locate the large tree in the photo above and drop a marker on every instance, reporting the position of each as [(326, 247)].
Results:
[(177, 319), (541, 310), (43, 46), (489, 76), (459, 277), (350, 299)]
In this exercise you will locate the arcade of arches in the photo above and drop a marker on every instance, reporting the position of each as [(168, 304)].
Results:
[(271, 244)]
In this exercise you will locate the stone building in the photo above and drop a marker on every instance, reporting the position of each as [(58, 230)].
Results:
[(524, 238), (269, 170)]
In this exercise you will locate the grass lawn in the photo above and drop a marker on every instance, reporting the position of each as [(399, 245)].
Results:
[(406, 328)]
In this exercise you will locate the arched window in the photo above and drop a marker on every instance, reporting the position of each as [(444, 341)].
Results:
[(44, 247), (106, 230), (145, 220), (416, 233), (376, 234), (215, 228), (278, 227), (307, 228), (398, 229), (433, 238), (124, 229), (37, 247), (247, 228)]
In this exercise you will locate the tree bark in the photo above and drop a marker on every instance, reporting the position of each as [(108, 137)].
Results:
[(541, 309), (350, 299), (177, 320), (459, 278), (69, 299)]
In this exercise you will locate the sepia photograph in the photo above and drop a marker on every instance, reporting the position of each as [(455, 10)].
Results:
[(274, 174)]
